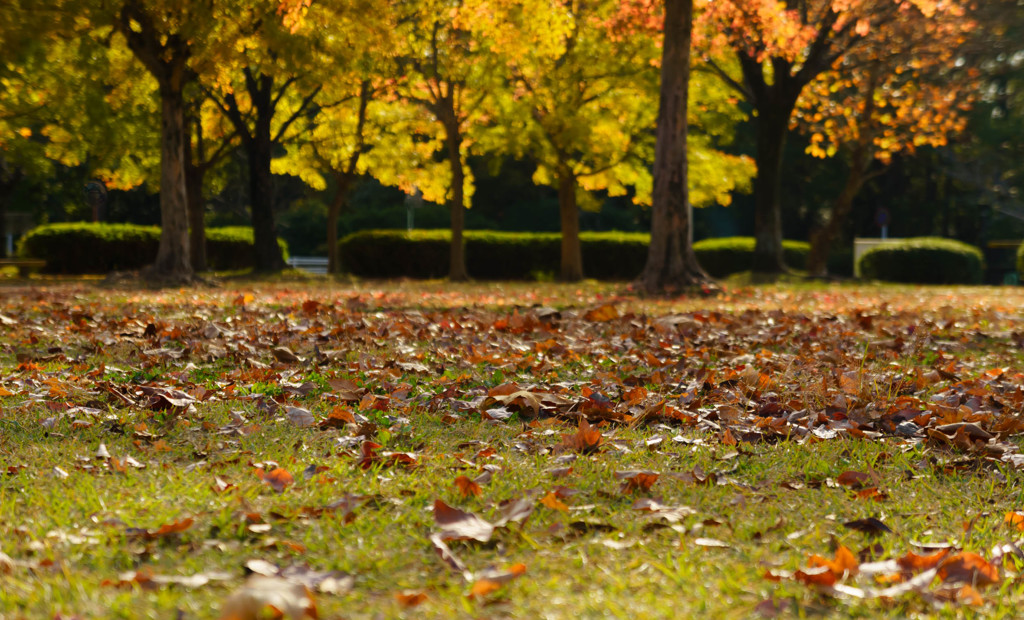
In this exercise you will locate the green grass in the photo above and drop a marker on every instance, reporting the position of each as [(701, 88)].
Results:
[(68, 517)]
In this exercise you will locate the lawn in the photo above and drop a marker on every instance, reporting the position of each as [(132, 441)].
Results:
[(314, 449)]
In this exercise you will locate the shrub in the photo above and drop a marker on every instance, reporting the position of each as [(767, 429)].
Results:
[(1020, 262), (75, 248), (507, 255), (231, 247), (924, 260), (727, 255)]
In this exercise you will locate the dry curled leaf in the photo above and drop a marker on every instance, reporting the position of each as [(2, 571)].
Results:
[(262, 595), (459, 525)]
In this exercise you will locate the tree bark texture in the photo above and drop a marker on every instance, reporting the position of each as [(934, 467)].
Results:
[(259, 151), (569, 214), (772, 125), (671, 263), (173, 259), (166, 58)]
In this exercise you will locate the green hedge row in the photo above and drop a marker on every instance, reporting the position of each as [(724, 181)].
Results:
[(727, 255), (924, 260), (507, 255), (1020, 263), (82, 247)]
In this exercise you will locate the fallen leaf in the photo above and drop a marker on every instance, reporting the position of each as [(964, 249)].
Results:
[(467, 487), (551, 501), (459, 525), (968, 568), (262, 595), (278, 478), (491, 579), (870, 526), (411, 598), (300, 417)]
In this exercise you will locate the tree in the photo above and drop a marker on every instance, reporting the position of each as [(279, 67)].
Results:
[(444, 71), (263, 88), (894, 94), (671, 262), (781, 48), (158, 38), (579, 104)]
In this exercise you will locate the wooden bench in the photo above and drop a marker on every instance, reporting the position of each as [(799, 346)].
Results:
[(26, 266)]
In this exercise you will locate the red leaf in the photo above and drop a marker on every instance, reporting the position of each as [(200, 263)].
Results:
[(459, 525)]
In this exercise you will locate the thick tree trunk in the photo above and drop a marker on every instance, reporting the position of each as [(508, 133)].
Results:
[(456, 207), (261, 204), (259, 152), (343, 181), (671, 263), (569, 212), (822, 239), (772, 125), (173, 261), (165, 57)]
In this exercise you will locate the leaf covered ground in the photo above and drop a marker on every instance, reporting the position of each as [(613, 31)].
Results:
[(509, 450)]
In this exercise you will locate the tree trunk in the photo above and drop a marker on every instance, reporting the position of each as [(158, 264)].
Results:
[(173, 261), (671, 263), (822, 239), (261, 185), (194, 175), (344, 181), (772, 125), (165, 57), (456, 207), (572, 254)]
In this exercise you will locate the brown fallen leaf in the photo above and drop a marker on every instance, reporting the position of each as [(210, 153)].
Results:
[(285, 355), (914, 562), (634, 481), (411, 598), (603, 313), (585, 440), (870, 526), (491, 579), (969, 568), (551, 501), (164, 530), (467, 487), (857, 479), (262, 595), (515, 510), (278, 478), (459, 525)]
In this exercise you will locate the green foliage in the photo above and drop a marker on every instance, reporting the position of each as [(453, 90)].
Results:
[(75, 248), (520, 256), (924, 260), (727, 255)]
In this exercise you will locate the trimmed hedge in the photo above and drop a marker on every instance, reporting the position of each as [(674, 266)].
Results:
[(728, 255), (924, 260), (84, 247), (519, 256), (1020, 263)]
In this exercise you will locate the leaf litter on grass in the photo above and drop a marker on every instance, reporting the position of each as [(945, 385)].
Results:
[(591, 381)]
